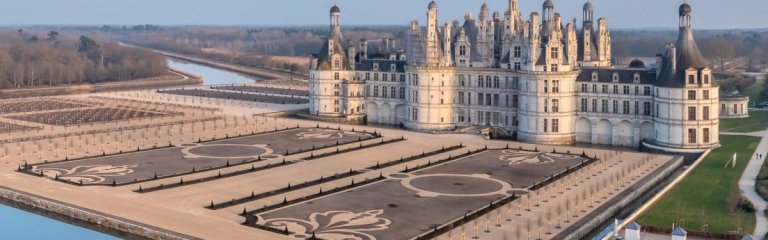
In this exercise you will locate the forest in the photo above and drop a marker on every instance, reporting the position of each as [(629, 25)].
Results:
[(50, 58)]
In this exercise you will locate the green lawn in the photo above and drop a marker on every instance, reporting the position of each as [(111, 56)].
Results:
[(757, 121), (701, 198)]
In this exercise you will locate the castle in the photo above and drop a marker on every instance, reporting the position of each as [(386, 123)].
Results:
[(546, 80)]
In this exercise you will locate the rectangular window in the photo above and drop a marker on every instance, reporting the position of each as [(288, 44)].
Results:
[(461, 97), (594, 105), (705, 94), (692, 136), (605, 89), (384, 77), (518, 52), (706, 79), (647, 91), (393, 92), (646, 108), (469, 100), (546, 126), (384, 91), (555, 125), (375, 91), (546, 86), (555, 105), (515, 101), (554, 67), (555, 86), (637, 108), (637, 90), (496, 83), (495, 100), (518, 66), (554, 54), (691, 94), (479, 81), (480, 99), (691, 79), (402, 92), (691, 113), (583, 87), (625, 107), (615, 89), (594, 88), (375, 77), (604, 106), (705, 113), (402, 77), (626, 90), (546, 105), (706, 135), (584, 105), (615, 107), (488, 100), (516, 83)]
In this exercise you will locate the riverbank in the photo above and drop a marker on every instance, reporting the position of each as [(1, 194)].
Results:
[(175, 78)]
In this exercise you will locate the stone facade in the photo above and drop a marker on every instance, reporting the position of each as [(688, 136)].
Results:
[(547, 80)]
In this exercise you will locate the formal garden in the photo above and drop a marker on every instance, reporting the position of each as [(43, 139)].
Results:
[(707, 202)]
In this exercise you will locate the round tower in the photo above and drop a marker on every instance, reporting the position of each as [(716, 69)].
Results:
[(687, 96)]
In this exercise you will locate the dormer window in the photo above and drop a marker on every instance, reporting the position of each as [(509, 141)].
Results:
[(691, 79), (554, 53), (636, 78), (375, 66), (706, 79), (594, 76), (615, 77), (392, 67), (336, 62)]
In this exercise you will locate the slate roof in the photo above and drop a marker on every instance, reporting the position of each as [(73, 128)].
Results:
[(384, 65), (633, 226), (626, 75), (680, 232)]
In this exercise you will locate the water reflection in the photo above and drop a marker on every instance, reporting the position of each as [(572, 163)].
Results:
[(18, 224), (211, 76)]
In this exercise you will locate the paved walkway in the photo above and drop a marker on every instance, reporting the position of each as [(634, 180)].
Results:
[(747, 183)]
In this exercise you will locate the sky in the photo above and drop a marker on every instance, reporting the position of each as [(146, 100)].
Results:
[(708, 14)]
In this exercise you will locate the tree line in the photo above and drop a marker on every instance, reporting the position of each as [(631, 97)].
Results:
[(44, 59)]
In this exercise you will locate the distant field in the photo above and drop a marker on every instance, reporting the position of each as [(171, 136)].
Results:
[(702, 197), (285, 59), (757, 121), (290, 59)]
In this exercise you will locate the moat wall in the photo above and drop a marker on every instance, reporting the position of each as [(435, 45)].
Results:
[(123, 227), (583, 229)]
